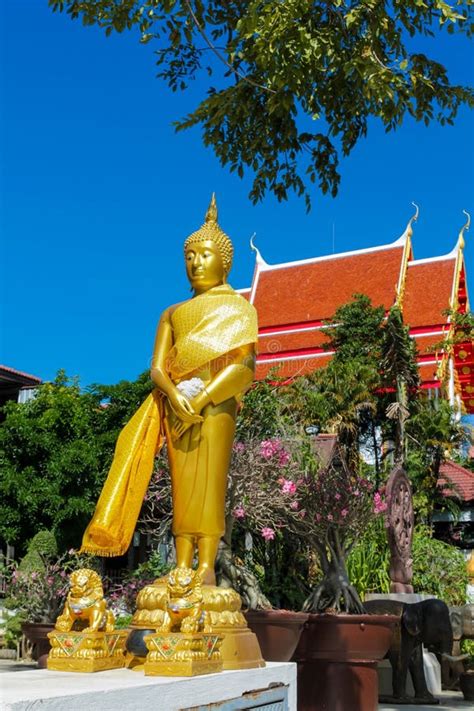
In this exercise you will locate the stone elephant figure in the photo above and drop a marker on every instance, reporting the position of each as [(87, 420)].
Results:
[(421, 623), (462, 622)]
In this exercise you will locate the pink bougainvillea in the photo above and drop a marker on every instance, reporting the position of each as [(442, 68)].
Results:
[(288, 486), (379, 504), (268, 533)]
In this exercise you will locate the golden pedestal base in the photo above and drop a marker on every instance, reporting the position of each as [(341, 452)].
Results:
[(178, 654), (86, 651), (239, 648)]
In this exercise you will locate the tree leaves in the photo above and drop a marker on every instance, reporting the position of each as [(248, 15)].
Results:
[(280, 66)]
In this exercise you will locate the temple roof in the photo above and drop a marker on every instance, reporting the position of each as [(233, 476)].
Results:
[(301, 291), (423, 305), (294, 301), (456, 481)]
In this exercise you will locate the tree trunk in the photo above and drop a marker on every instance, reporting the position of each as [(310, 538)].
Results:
[(334, 592), (232, 573)]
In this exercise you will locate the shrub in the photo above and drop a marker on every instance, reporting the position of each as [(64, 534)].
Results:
[(41, 548), (438, 568), (368, 562)]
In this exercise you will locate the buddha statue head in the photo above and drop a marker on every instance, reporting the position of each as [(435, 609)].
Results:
[(208, 253)]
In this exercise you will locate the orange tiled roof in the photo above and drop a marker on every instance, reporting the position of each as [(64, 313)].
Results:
[(314, 289), (460, 479), (295, 299), (423, 305)]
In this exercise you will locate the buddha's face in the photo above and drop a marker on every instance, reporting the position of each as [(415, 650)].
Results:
[(204, 266)]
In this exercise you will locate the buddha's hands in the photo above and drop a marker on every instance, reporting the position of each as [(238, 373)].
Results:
[(197, 403), (183, 408)]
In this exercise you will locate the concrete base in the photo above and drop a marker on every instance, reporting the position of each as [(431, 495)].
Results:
[(401, 597), (131, 691)]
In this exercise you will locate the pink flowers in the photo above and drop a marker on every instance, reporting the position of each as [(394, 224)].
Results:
[(273, 447), (379, 504), (268, 533), (268, 448), (288, 486), (294, 505), (283, 457), (238, 512), (344, 513), (238, 447)]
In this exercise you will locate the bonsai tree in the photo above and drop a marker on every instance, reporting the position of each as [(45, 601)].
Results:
[(339, 503)]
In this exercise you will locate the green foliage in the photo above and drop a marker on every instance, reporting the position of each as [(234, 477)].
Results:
[(32, 561), (260, 413), (55, 451), (398, 362), (41, 548), (356, 331), (123, 621), (438, 568), (294, 83), (44, 543), (122, 596), (432, 432), (38, 595), (153, 568), (13, 630), (368, 562), (467, 647), (281, 569)]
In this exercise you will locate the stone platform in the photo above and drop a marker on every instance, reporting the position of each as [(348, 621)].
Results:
[(132, 691)]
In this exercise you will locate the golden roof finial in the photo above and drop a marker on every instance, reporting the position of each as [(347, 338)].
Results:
[(211, 214), (409, 228), (255, 249), (210, 230), (465, 227)]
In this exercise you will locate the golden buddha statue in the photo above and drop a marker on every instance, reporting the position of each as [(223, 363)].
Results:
[(203, 361)]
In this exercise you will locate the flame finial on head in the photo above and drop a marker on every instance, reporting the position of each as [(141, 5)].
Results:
[(210, 230), (211, 214)]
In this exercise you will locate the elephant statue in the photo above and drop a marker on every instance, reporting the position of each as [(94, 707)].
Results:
[(462, 622), (421, 623)]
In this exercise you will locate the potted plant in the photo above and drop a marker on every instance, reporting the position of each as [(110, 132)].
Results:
[(36, 590), (466, 679), (340, 645)]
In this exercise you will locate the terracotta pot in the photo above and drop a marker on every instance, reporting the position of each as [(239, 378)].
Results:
[(36, 633), (278, 632), (466, 682), (337, 661)]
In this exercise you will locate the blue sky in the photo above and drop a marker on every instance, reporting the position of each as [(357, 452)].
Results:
[(98, 194)]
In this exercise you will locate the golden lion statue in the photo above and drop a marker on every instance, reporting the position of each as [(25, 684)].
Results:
[(85, 603), (184, 606)]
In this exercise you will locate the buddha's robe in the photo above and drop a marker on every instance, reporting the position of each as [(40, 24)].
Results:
[(208, 333)]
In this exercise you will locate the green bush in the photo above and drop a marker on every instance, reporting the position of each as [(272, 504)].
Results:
[(13, 630), (31, 562), (44, 543), (438, 568), (41, 548), (369, 560)]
